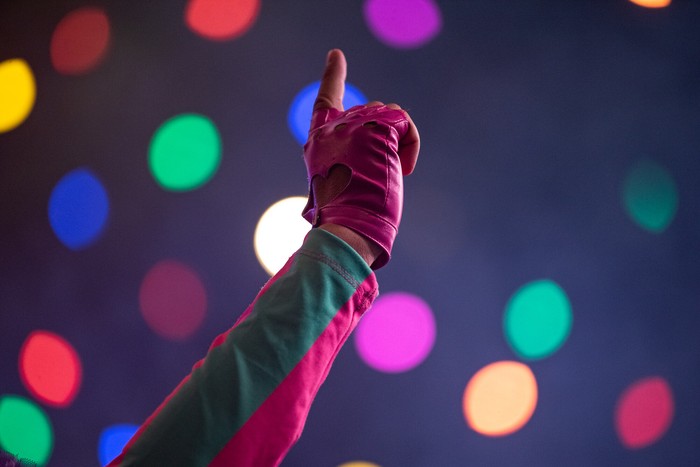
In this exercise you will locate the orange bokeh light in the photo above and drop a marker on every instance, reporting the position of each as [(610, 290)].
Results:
[(500, 398), (50, 368), (652, 3)]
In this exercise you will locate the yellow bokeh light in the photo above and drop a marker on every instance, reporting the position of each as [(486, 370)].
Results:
[(17, 93), (500, 398), (652, 3), (280, 232), (359, 464)]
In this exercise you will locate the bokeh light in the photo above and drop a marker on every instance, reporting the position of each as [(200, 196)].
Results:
[(25, 429), (80, 41), (500, 398), (299, 116), (396, 334), (173, 300), (280, 232), (17, 93), (50, 368), (537, 319), (78, 209), (185, 152), (644, 412), (221, 19), (652, 3), (112, 441), (359, 464), (650, 196), (403, 24)]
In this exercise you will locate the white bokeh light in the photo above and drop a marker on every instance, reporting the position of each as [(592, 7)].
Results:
[(280, 232)]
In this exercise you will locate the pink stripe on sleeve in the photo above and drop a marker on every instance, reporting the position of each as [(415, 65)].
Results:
[(275, 426)]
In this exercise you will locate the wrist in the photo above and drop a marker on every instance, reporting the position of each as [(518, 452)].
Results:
[(367, 249)]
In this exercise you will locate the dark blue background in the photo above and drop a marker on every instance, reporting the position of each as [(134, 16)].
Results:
[(530, 113)]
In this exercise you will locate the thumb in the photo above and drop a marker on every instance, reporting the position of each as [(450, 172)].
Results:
[(330, 93)]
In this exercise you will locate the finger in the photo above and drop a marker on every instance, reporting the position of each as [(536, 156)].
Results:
[(394, 106), (374, 104), (330, 94), (409, 147)]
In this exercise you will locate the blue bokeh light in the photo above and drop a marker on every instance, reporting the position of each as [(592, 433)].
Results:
[(299, 117), (78, 209), (112, 441)]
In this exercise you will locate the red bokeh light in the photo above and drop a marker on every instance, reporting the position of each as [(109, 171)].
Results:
[(50, 368), (221, 19), (80, 41)]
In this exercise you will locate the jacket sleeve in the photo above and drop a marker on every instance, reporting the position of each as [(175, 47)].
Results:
[(246, 402)]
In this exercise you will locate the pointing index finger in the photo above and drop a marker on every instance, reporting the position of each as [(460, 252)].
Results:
[(330, 93)]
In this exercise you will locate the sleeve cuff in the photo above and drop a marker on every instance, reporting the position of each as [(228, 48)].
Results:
[(331, 250)]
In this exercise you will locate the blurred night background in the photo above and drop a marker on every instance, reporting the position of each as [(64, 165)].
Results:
[(542, 304)]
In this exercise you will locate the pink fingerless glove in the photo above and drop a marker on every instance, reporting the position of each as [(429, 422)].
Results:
[(366, 140)]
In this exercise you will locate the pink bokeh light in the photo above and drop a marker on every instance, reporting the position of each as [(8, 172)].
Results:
[(644, 412), (396, 334), (173, 300)]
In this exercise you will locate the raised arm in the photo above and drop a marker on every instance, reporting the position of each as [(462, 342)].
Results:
[(246, 402)]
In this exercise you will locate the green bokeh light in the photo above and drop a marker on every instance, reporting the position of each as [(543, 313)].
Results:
[(537, 319), (650, 196), (185, 152), (25, 430)]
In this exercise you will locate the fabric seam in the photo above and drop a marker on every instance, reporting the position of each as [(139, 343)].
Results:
[(344, 273)]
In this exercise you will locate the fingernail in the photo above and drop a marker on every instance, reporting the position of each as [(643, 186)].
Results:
[(329, 56)]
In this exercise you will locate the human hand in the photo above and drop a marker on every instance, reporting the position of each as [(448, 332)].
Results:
[(356, 160), (329, 104)]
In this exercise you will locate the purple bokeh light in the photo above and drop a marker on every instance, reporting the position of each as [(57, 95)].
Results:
[(403, 24)]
